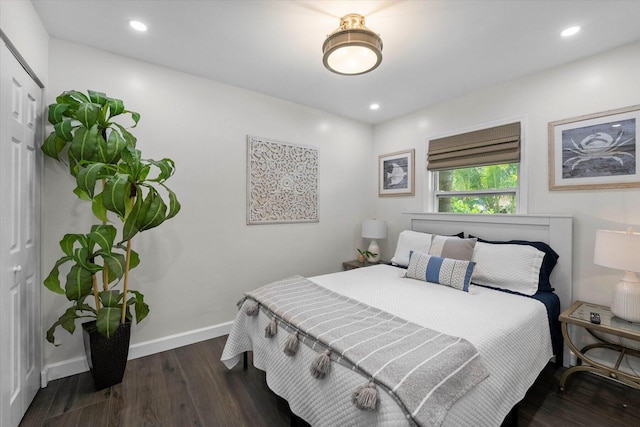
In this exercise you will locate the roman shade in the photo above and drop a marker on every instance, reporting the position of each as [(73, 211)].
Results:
[(496, 145)]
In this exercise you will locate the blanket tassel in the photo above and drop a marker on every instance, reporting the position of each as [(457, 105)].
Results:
[(291, 345), (320, 366), (240, 302), (366, 397), (253, 309), (271, 329)]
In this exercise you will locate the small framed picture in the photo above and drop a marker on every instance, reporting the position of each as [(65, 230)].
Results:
[(595, 151), (396, 173)]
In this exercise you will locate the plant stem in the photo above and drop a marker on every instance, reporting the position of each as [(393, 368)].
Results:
[(105, 270), (96, 294), (126, 282)]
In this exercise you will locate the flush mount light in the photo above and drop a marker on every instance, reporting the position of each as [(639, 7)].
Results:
[(570, 31), (352, 49), (138, 26), (374, 106)]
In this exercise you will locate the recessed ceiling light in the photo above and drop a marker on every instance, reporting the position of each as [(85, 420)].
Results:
[(570, 31), (374, 106), (138, 26)]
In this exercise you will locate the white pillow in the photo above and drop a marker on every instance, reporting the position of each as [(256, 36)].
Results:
[(512, 267), (410, 241)]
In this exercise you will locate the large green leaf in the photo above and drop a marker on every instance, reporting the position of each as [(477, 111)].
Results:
[(100, 155), (133, 159), (103, 235), (116, 263), (128, 136), (84, 258), (98, 209), (116, 107), (116, 194), (130, 227), (108, 320), (87, 177), (110, 298), (152, 212), (88, 113), (79, 283), (97, 97), (82, 195), (84, 143), (56, 113), (64, 130), (67, 321), (166, 167), (142, 309), (135, 116), (115, 145), (52, 282), (73, 98), (134, 259), (53, 145), (68, 242), (174, 204)]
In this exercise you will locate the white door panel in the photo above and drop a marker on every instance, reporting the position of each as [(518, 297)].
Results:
[(20, 331)]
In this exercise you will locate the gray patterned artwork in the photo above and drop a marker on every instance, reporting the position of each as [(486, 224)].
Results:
[(282, 182)]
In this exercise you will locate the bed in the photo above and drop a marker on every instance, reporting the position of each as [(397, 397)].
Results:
[(511, 333)]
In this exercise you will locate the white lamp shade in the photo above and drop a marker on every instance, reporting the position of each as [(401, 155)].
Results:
[(374, 229), (621, 250), (617, 249)]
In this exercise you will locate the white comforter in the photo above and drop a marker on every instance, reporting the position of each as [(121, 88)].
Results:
[(510, 332)]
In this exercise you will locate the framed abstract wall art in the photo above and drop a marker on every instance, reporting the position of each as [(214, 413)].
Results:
[(396, 175), (595, 151), (282, 182)]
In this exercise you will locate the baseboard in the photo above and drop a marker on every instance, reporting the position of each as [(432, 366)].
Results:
[(77, 365)]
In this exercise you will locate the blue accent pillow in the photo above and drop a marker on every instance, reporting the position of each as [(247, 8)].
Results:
[(454, 273)]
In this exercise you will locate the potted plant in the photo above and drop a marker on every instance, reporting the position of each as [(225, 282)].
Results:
[(123, 188), (365, 255)]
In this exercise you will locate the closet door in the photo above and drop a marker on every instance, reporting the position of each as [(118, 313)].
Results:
[(20, 160)]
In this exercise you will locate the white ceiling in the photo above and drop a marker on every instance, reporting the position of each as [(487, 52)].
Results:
[(433, 50)]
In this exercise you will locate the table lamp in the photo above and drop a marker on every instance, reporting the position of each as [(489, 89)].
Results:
[(621, 250), (374, 229)]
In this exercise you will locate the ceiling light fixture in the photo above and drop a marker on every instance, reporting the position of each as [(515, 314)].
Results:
[(374, 106), (352, 49), (138, 26), (570, 31)]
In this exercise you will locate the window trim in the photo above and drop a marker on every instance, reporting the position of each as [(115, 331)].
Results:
[(430, 178)]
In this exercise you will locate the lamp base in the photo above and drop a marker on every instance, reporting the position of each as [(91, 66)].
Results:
[(625, 303), (374, 248)]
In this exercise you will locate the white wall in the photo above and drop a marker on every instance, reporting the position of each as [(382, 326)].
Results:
[(196, 266), (599, 83), (22, 25)]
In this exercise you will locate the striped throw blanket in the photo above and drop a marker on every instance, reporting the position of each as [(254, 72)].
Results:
[(424, 370)]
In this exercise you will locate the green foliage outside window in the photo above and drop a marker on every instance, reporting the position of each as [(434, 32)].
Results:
[(480, 178)]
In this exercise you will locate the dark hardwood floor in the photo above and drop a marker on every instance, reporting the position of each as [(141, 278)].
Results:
[(190, 386)]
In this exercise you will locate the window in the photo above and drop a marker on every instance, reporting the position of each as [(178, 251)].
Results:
[(477, 172), (481, 189)]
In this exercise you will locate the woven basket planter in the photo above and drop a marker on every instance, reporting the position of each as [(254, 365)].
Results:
[(107, 357)]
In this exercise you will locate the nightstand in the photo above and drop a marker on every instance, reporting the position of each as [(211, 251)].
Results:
[(350, 265), (579, 314)]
